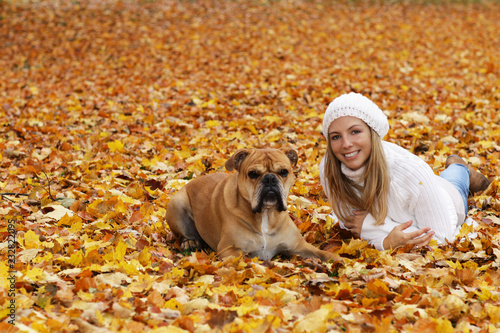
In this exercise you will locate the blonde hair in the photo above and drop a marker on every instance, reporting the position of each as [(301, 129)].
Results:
[(346, 195)]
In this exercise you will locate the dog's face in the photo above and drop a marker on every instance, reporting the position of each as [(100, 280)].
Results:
[(265, 176)]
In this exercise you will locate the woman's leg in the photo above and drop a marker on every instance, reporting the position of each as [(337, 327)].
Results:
[(477, 182), (459, 176)]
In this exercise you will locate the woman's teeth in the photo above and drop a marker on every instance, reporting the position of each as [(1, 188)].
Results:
[(351, 154)]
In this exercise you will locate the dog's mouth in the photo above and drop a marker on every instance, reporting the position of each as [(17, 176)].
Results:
[(268, 199)]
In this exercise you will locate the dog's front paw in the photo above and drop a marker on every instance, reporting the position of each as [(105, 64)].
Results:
[(191, 245)]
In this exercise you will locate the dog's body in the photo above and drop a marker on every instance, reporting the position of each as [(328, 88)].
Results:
[(242, 212)]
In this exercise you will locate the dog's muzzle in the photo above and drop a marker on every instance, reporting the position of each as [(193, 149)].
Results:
[(270, 193)]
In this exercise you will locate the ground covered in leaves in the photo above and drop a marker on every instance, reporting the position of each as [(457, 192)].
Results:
[(108, 107)]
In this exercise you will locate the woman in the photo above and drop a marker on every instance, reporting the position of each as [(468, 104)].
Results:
[(382, 192)]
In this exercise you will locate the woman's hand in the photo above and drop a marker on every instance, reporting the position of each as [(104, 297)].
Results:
[(358, 216), (397, 237)]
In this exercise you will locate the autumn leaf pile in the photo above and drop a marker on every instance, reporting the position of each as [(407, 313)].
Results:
[(108, 107)]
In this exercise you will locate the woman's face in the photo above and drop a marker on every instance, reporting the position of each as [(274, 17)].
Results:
[(350, 139)]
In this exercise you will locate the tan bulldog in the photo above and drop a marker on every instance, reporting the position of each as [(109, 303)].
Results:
[(242, 212)]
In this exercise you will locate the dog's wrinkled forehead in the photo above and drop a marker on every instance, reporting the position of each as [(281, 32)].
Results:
[(269, 160)]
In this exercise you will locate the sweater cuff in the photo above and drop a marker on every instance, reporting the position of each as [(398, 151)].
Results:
[(378, 243)]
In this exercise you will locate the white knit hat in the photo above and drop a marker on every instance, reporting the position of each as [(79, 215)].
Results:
[(359, 106)]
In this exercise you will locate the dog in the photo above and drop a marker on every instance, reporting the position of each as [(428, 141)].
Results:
[(243, 212)]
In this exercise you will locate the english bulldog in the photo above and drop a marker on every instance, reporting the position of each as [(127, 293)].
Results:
[(244, 212)]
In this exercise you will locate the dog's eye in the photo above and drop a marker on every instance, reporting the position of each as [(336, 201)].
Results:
[(253, 175), (283, 173)]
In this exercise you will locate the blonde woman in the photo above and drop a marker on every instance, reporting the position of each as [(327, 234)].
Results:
[(382, 192)]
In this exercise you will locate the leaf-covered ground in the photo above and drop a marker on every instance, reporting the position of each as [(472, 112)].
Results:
[(108, 107)]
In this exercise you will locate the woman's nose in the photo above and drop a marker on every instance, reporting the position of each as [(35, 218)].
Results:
[(346, 142)]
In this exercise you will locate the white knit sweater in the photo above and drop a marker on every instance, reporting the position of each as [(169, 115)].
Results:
[(415, 193)]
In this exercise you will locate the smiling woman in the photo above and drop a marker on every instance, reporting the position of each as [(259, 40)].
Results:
[(378, 190)]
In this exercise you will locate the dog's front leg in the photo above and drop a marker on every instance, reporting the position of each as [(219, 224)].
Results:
[(306, 250), (227, 248)]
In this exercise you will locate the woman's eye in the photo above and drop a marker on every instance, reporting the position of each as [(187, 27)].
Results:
[(283, 173), (334, 137), (253, 175), (356, 131)]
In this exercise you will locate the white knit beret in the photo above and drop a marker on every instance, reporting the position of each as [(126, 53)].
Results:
[(359, 106)]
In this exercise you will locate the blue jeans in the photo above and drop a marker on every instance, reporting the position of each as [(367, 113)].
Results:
[(459, 176)]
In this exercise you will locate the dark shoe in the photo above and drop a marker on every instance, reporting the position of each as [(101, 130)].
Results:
[(478, 182)]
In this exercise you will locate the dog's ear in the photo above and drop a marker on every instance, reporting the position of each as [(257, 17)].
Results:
[(291, 154), (234, 162)]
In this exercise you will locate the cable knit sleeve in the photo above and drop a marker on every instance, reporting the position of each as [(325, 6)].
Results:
[(414, 184), (434, 208)]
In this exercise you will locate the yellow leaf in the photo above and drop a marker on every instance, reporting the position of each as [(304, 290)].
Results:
[(116, 146), (353, 246), (470, 265), (248, 305), (197, 101), (327, 91), (129, 267), (177, 272), (314, 322), (212, 123), (150, 191), (145, 257), (273, 119), (143, 284), (31, 240), (120, 205), (466, 230), (173, 304), (493, 312), (169, 329), (76, 258), (120, 251), (84, 296), (47, 257), (252, 129), (39, 327), (4, 313), (76, 227), (486, 144), (454, 265), (69, 220), (99, 317), (4, 273), (33, 90), (444, 326), (186, 152), (486, 293), (34, 273)]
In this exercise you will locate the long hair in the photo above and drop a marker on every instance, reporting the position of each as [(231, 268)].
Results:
[(346, 194)]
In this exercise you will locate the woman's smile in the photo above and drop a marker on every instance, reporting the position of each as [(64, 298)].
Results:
[(351, 155)]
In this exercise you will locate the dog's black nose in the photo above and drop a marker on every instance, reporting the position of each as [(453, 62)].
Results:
[(270, 179)]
